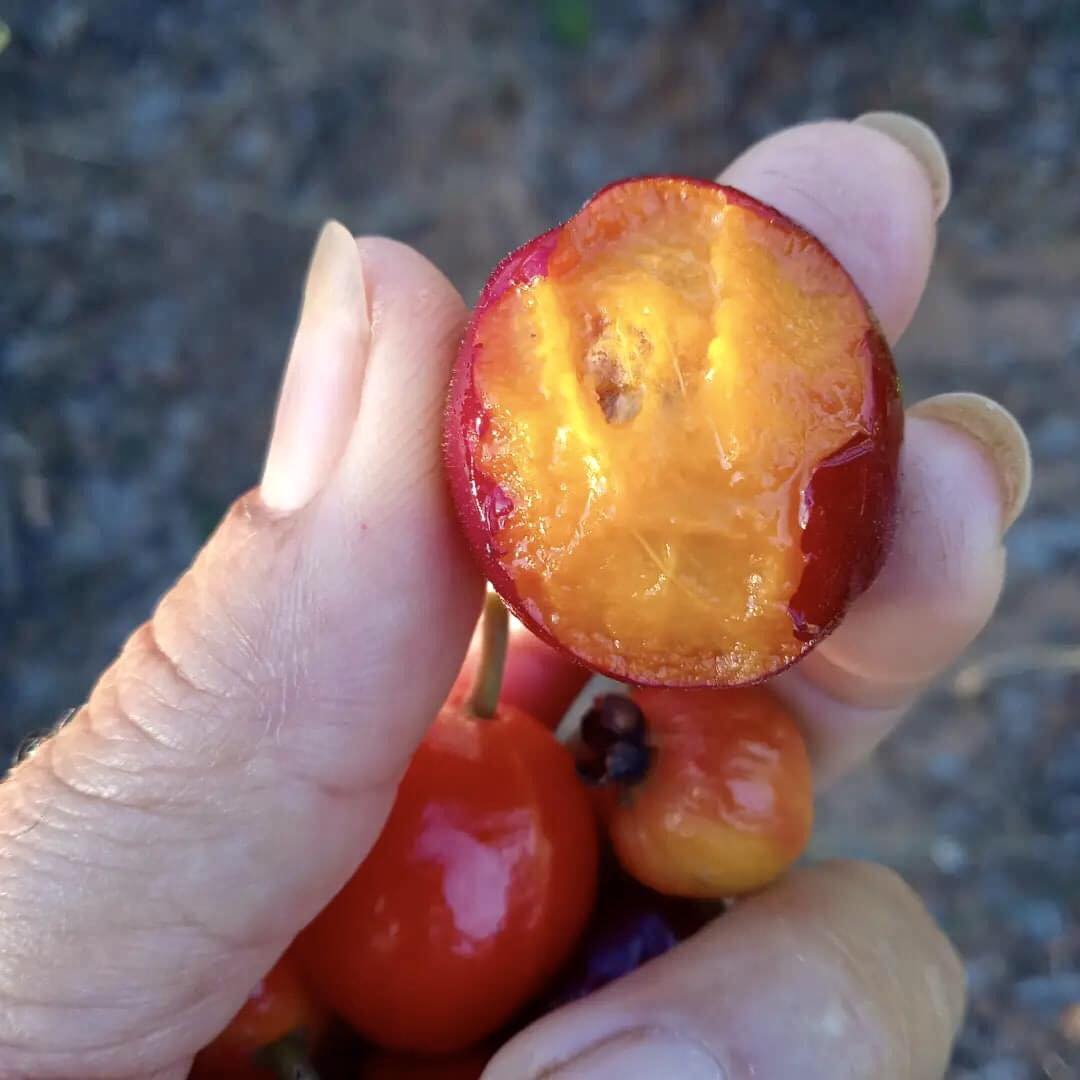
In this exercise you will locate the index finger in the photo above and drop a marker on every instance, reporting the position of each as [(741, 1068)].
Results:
[(871, 192)]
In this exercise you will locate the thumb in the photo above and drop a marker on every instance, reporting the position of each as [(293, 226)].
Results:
[(236, 762)]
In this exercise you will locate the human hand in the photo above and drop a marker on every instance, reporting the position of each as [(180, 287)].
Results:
[(236, 762)]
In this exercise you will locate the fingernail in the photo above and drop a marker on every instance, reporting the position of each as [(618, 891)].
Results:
[(919, 140), (320, 393), (641, 1053), (1000, 435)]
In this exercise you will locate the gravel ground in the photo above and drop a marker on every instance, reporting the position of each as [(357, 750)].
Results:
[(164, 168)]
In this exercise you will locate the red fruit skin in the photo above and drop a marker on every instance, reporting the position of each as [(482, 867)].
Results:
[(475, 893), (279, 1004), (844, 549), (727, 802)]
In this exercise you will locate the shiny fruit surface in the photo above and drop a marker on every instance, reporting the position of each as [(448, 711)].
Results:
[(474, 894), (672, 436), (721, 801)]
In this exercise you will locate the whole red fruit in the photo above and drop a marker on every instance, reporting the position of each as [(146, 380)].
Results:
[(475, 893), (709, 794)]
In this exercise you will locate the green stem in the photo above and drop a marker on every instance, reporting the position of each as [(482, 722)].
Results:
[(288, 1058), (484, 699)]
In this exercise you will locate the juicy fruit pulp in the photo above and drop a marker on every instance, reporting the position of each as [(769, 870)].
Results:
[(673, 434)]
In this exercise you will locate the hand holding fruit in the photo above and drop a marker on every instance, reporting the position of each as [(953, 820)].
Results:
[(234, 766)]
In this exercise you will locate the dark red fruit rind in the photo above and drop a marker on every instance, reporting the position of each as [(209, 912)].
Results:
[(843, 551)]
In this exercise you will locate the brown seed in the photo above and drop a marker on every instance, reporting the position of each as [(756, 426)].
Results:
[(620, 406)]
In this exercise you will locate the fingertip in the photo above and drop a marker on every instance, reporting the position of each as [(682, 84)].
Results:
[(416, 321), (788, 983), (321, 388), (863, 194), (924, 145), (940, 582), (965, 472), (407, 287), (1000, 436)]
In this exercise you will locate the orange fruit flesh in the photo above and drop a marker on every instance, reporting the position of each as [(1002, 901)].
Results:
[(656, 405)]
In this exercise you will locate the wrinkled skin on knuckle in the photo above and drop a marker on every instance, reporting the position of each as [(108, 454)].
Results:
[(235, 729), (120, 834), (249, 651), (86, 871), (215, 640)]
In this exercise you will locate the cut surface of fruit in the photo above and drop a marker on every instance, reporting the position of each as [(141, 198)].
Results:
[(673, 433)]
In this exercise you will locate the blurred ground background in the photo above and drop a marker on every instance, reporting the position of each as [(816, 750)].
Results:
[(164, 167)]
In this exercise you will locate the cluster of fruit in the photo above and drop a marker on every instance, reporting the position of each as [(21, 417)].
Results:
[(672, 440)]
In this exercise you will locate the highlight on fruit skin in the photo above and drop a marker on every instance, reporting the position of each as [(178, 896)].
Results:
[(478, 887), (672, 436), (707, 794)]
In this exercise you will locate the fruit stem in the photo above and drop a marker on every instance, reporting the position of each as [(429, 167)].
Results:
[(287, 1058), (484, 698)]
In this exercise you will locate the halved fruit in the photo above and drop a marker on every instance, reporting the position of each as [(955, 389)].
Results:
[(672, 435)]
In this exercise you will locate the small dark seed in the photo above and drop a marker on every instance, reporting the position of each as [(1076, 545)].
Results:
[(594, 732), (612, 717), (620, 404), (628, 762)]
